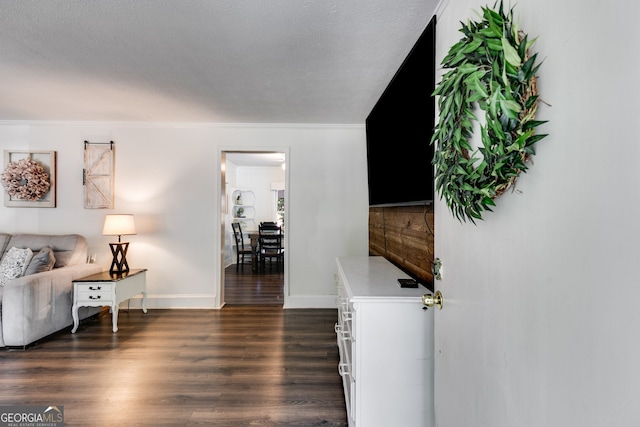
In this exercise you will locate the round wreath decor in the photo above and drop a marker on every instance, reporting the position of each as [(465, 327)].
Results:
[(490, 70), (26, 179)]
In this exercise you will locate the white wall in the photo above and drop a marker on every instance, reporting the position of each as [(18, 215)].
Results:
[(168, 177), (229, 249), (258, 179), (543, 295)]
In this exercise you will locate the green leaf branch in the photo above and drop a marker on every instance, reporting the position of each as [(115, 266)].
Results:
[(490, 70)]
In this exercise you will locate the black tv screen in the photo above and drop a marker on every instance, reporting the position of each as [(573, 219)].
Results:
[(399, 129)]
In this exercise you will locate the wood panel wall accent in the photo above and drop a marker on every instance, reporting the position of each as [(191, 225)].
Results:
[(404, 236), (98, 175)]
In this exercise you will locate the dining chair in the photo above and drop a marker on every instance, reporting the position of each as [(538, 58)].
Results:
[(241, 252), (269, 225), (270, 245)]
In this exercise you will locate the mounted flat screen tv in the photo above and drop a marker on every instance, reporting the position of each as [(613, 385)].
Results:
[(399, 129)]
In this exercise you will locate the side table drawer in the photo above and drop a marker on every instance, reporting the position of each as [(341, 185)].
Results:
[(92, 292), (94, 287)]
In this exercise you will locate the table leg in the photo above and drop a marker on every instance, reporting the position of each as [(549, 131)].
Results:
[(254, 259), (76, 320), (144, 302), (254, 252), (114, 317)]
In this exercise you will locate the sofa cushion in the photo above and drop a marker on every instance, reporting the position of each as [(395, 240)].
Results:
[(69, 249), (1, 334), (4, 239), (14, 263), (42, 261)]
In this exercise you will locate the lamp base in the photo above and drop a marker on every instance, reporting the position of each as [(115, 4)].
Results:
[(119, 264)]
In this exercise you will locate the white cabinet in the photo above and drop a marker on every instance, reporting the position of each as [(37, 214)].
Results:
[(385, 338)]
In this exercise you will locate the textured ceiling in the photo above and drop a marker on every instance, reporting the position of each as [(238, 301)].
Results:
[(223, 61)]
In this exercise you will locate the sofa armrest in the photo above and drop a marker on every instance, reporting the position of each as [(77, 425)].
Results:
[(38, 305)]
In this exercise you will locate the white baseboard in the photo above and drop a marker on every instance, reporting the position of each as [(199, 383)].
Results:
[(311, 301), (208, 302)]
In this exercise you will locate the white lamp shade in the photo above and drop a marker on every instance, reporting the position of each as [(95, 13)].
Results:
[(118, 225)]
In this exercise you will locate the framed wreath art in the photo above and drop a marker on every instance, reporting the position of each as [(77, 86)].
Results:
[(490, 70), (29, 178)]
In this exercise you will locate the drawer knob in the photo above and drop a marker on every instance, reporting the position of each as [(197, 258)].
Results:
[(92, 297), (97, 288)]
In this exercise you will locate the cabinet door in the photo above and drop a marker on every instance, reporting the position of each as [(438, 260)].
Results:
[(393, 364)]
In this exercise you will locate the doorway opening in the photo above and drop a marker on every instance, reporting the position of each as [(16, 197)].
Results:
[(254, 187)]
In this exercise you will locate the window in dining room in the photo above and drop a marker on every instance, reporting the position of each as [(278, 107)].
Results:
[(280, 206), (277, 189)]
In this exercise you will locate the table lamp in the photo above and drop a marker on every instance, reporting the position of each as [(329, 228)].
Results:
[(119, 225)]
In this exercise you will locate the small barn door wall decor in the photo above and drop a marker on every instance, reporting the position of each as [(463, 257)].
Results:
[(99, 167)]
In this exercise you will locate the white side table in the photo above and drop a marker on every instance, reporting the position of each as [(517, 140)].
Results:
[(109, 289)]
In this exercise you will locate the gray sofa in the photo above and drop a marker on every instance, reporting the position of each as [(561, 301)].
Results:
[(39, 302)]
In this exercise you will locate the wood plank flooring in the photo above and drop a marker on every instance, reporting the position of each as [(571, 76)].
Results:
[(238, 366), (246, 287)]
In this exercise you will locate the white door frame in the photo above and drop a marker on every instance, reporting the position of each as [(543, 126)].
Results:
[(221, 213)]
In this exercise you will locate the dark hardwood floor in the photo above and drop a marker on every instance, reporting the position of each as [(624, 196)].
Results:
[(238, 366), (247, 287)]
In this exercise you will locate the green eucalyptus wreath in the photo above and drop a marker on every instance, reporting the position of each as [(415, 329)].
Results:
[(490, 67)]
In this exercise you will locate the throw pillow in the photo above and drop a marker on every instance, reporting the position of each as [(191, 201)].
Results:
[(42, 261), (14, 263)]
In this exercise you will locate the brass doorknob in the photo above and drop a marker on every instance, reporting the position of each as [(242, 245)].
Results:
[(430, 300)]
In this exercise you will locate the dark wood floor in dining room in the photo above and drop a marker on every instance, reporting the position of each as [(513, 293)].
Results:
[(243, 365), (243, 286)]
